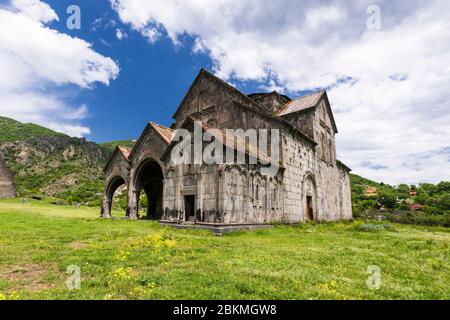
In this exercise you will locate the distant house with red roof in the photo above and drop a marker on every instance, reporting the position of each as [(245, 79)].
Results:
[(416, 207), (371, 192)]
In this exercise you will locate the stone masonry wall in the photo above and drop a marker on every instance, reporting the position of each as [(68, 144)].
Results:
[(7, 189)]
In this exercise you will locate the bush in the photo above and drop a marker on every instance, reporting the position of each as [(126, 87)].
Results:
[(387, 199), (419, 218)]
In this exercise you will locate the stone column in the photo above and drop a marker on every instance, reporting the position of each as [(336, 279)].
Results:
[(132, 206), (200, 184), (106, 208), (164, 201)]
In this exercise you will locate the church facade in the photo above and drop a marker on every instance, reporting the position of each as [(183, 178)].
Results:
[(309, 183)]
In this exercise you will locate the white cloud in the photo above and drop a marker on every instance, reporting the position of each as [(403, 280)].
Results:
[(151, 33), (36, 10), (37, 61), (120, 34), (389, 88)]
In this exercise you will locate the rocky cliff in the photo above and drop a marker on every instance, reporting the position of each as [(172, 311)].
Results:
[(44, 162)]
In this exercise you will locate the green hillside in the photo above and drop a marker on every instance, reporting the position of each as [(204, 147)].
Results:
[(394, 202), (12, 130), (358, 180), (46, 163), (112, 144)]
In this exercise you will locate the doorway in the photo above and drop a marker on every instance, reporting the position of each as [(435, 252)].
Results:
[(149, 179), (309, 208), (189, 208)]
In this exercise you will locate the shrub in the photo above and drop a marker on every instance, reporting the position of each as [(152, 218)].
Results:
[(419, 218)]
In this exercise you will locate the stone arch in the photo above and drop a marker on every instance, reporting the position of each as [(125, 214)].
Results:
[(112, 184), (309, 188), (148, 177)]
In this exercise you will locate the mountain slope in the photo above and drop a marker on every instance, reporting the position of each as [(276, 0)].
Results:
[(12, 130), (45, 162)]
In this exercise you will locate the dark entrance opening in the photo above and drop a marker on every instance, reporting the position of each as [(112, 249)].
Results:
[(149, 180), (309, 208), (116, 195), (189, 207)]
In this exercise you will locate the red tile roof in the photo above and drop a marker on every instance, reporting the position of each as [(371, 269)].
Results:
[(371, 190), (164, 132), (416, 206), (301, 103), (125, 151)]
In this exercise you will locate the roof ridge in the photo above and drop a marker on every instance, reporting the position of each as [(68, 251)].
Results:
[(280, 112), (219, 80), (160, 125), (162, 131), (310, 94), (124, 150)]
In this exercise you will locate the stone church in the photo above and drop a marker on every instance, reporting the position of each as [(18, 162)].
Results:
[(310, 184)]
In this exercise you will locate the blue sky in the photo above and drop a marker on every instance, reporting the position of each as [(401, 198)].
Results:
[(152, 79), (385, 65)]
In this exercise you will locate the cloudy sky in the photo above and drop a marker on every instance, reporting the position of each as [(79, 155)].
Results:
[(385, 64)]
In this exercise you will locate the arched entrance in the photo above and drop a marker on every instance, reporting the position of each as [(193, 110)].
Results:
[(149, 179), (112, 185), (310, 199)]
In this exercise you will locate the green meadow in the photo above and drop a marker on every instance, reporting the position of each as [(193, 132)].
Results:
[(120, 259)]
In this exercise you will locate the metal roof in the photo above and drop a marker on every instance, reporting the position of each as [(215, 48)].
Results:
[(301, 103)]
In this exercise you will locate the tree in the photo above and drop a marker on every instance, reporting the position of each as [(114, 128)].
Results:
[(443, 186), (387, 198), (422, 196), (429, 188), (439, 204), (403, 191)]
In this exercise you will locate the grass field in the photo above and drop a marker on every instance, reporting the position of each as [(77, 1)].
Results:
[(142, 260)]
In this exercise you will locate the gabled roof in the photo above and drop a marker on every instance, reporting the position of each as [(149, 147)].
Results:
[(164, 132), (307, 102), (279, 120), (123, 151), (302, 103), (203, 72)]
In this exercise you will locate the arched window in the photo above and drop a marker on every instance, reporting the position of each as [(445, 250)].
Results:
[(330, 151), (324, 147), (257, 192)]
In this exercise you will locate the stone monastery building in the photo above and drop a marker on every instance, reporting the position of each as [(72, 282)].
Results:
[(310, 184)]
